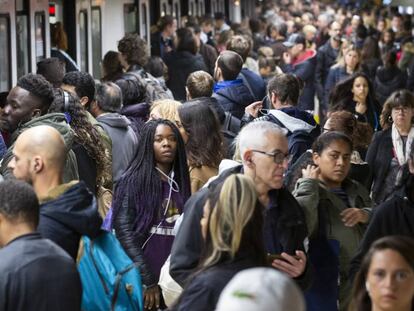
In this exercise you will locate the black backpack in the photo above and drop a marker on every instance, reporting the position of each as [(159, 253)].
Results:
[(154, 90)]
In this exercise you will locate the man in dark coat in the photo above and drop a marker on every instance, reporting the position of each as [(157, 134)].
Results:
[(67, 211), (325, 58), (162, 40), (36, 274), (183, 61), (230, 91), (301, 62), (263, 148)]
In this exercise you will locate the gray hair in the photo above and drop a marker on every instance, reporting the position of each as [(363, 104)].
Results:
[(252, 136), (109, 97)]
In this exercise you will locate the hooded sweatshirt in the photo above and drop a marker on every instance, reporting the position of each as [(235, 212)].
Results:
[(124, 141), (58, 122), (68, 212)]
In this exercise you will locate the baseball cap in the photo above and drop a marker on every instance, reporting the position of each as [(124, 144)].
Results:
[(263, 289), (294, 39)]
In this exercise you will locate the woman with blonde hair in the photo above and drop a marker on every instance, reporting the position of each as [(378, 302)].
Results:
[(347, 64), (232, 230)]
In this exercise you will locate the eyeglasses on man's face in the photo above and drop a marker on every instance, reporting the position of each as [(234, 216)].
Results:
[(278, 156)]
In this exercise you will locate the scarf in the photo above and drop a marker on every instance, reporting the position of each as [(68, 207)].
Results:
[(223, 84), (398, 144)]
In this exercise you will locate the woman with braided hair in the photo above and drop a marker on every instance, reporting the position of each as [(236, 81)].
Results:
[(88, 147), (148, 199)]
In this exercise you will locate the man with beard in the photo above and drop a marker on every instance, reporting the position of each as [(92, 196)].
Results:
[(27, 106), (325, 58), (67, 210)]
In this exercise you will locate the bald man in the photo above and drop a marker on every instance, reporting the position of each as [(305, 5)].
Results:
[(67, 211)]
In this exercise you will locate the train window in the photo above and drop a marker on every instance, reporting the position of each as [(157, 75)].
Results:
[(22, 38), (130, 18), (96, 41), (5, 74), (144, 22), (40, 36), (83, 40), (164, 9)]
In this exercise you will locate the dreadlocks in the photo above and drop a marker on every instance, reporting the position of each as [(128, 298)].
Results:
[(141, 183), (86, 134)]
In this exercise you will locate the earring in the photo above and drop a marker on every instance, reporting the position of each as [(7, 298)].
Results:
[(389, 119)]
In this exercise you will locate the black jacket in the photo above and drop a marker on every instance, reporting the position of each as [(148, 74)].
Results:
[(86, 167), (370, 68), (234, 98), (284, 230), (66, 218), (388, 80), (305, 70), (379, 158), (180, 65), (254, 83), (132, 241), (393, 217), (204, 289), (36, 274), (325, 58)]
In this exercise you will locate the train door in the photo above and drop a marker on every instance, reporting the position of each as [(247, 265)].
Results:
[(144, 20), (83, 33), (8, 73), (39, 31), (192, 7), (176, 10), (201, 8), (165, 8)]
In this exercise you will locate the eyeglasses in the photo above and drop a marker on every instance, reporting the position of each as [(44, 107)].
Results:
[(278, 156)]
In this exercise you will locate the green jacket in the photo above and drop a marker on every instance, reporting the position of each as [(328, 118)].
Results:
[(314, 197), (57, 121)]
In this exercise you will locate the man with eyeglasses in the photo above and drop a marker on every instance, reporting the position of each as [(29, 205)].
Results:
[(264, 152)]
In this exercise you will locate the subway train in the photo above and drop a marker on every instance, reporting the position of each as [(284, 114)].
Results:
[(93, 27)]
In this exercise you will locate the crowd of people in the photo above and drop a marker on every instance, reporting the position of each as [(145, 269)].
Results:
[(266, 165)]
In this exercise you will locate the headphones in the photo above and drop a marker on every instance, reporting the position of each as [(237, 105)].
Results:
[(66, 107)]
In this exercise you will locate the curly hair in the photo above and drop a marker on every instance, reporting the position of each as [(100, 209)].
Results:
[(38, 86), (86, 134), (134, 49), (83, 82), (400, 98)]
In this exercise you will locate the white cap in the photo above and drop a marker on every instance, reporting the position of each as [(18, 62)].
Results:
[(263, 289)]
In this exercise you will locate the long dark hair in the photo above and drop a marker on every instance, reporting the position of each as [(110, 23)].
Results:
[(86, 134), (141, 183), (403, 245), (204, 145)]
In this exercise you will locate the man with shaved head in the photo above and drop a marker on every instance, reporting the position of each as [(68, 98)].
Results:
[(67, 211), (264, 153)]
